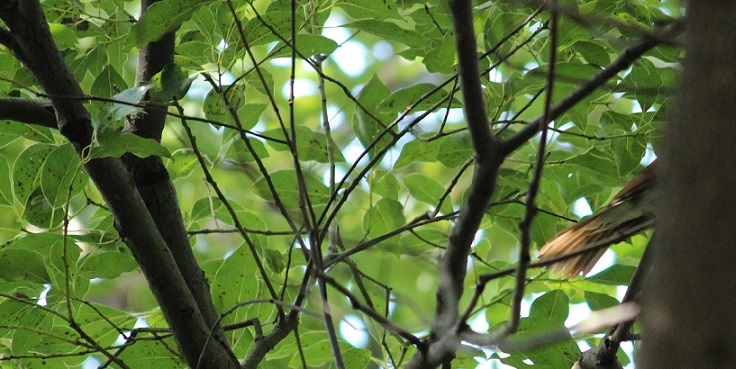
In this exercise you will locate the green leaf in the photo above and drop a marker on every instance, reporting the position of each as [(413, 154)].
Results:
[(385, 184), (355, 358), (101, 322), (114, 143), (628, 152), (390, 31), (27, 170), (108, 82), (418, 151), (236, 281), (61, 274), (29, 131), (647, 83), (152, 354), (22, 264), (62, 176), (310, 145), (105, 265), (455, 150), (39, 211), (318, 352), (34, 321), (287, 188), (133, 95), (38, 242), (11, 311), (163, 17), (386, 215), (553, 305), (278, 21), (263, 86), (442, 59), (216, 109), (63, 36), (172, 83), (616, 275), (308, 45), (239, 153), (560, 354), (6, 188), (426, 190), (370, 9), (599, 301), (593, 53), (182, 163), (367, 129), (422, 96), (420, 241)]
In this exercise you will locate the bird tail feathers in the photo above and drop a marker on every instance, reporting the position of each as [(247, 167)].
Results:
[(594, 234)]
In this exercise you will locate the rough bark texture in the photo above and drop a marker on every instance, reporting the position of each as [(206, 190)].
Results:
[(688, 318), (30, 41), (156, 188)]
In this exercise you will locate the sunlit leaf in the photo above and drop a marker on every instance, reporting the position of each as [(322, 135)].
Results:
[(27, 170), (62, 176)]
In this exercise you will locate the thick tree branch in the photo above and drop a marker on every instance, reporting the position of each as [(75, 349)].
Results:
[(36, 48), (686, 316), (452, 268), (29, 111), (157, 190)]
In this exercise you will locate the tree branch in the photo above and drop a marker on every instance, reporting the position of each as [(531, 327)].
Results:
[(157, 190), (452, 267), (29, 111), (36, 48), (603, 356), (625, 60)]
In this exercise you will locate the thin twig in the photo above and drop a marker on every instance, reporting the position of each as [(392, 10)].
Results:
[(530, 211)]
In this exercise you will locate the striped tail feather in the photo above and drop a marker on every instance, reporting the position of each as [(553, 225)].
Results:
[(629, 212), (595, 233)]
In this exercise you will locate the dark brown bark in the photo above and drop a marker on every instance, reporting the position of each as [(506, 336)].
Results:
[(688, 318), (30, 41), (156, 188)]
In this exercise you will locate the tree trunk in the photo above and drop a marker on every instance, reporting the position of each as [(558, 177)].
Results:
[(688, 318)]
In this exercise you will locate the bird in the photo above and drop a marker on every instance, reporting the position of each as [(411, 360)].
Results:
[(629, 212)]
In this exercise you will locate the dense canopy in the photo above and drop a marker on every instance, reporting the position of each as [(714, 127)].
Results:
[(351, 199)]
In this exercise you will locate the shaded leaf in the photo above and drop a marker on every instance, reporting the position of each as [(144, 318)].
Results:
[(172, 83), (616, 275), (162, 17), (310, 145), (383, 217), (285, 183)]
